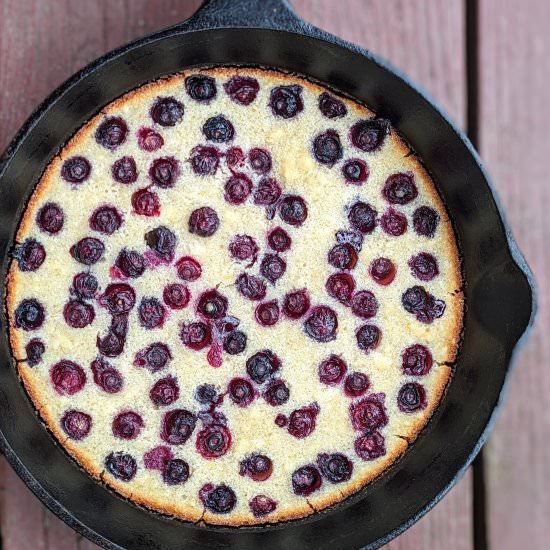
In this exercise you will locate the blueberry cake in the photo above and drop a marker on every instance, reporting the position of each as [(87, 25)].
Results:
[(235, 296)]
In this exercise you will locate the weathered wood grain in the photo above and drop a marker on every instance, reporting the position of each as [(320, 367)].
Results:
[(424, 38), (515, 67)]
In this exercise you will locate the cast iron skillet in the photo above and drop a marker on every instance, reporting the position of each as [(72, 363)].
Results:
[(499, 287)]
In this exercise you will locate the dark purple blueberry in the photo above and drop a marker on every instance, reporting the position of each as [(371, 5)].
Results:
[(196, 335), (369, 135), (206, 394), (105, 219), (154, 357), (267, 192), (106, 376), (76, 424), (279, 240), (124, 170), (130, 263), (364, 304), (327, 148), (175, 472), (262, 505), (400, 188), (201, 87), (237, 189), (257, 467), (188, 269), (425, 221), (362, 216), (235, 342), (85, 285), (162, 241), (146, 203), (127, 425), (118, 298), (78, 314), (281, 420), (267, 313), (111, 132), (412, 398), (157, 457), (355, 171), (340, 286), (203, 222), (122, 466), (165, 391), (218, 129), (423, 305), (416, 360), (370, 446), (369, 413), (167, 111), (276, 393), (350, 236), (67, 377), (393, 222), (382, 271), (29, 314), (306, 480), (251, 287), (88, 250), (332, 370), (50, 218), (342, 256), (34, 349), (242, 89), (205, 160), (164, 172), (148, 139), (321, 324), (272, 267), (356, 384), (331, 107), (219, 500), (243, 248), (177, 426), (424, 266), (260, 160), (76, 169), (240, 392), (30, 255), (212, 305), (368, 337), (176, 296), (112, 344), (213, 441), (286, 101), (301, 422), (262, 365), (296, 303), (151, 313), (293, 210), (234, 158), (335, 467)]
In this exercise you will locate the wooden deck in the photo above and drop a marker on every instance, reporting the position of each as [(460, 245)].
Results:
[(487, 62)]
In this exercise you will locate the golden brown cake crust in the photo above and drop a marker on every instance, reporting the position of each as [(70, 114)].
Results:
[(399, 435)]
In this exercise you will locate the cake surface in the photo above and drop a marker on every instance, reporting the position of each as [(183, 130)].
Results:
[(235, 296)]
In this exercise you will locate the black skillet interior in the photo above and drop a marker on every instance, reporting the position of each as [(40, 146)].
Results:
[(499, 288)]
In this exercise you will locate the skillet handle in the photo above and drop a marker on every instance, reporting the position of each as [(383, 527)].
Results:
[(269, 14)]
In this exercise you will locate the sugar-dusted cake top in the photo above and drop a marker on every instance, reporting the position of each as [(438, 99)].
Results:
[(235, 296)]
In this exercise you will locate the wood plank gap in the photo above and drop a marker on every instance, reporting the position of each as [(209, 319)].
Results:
[(479, 492)]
